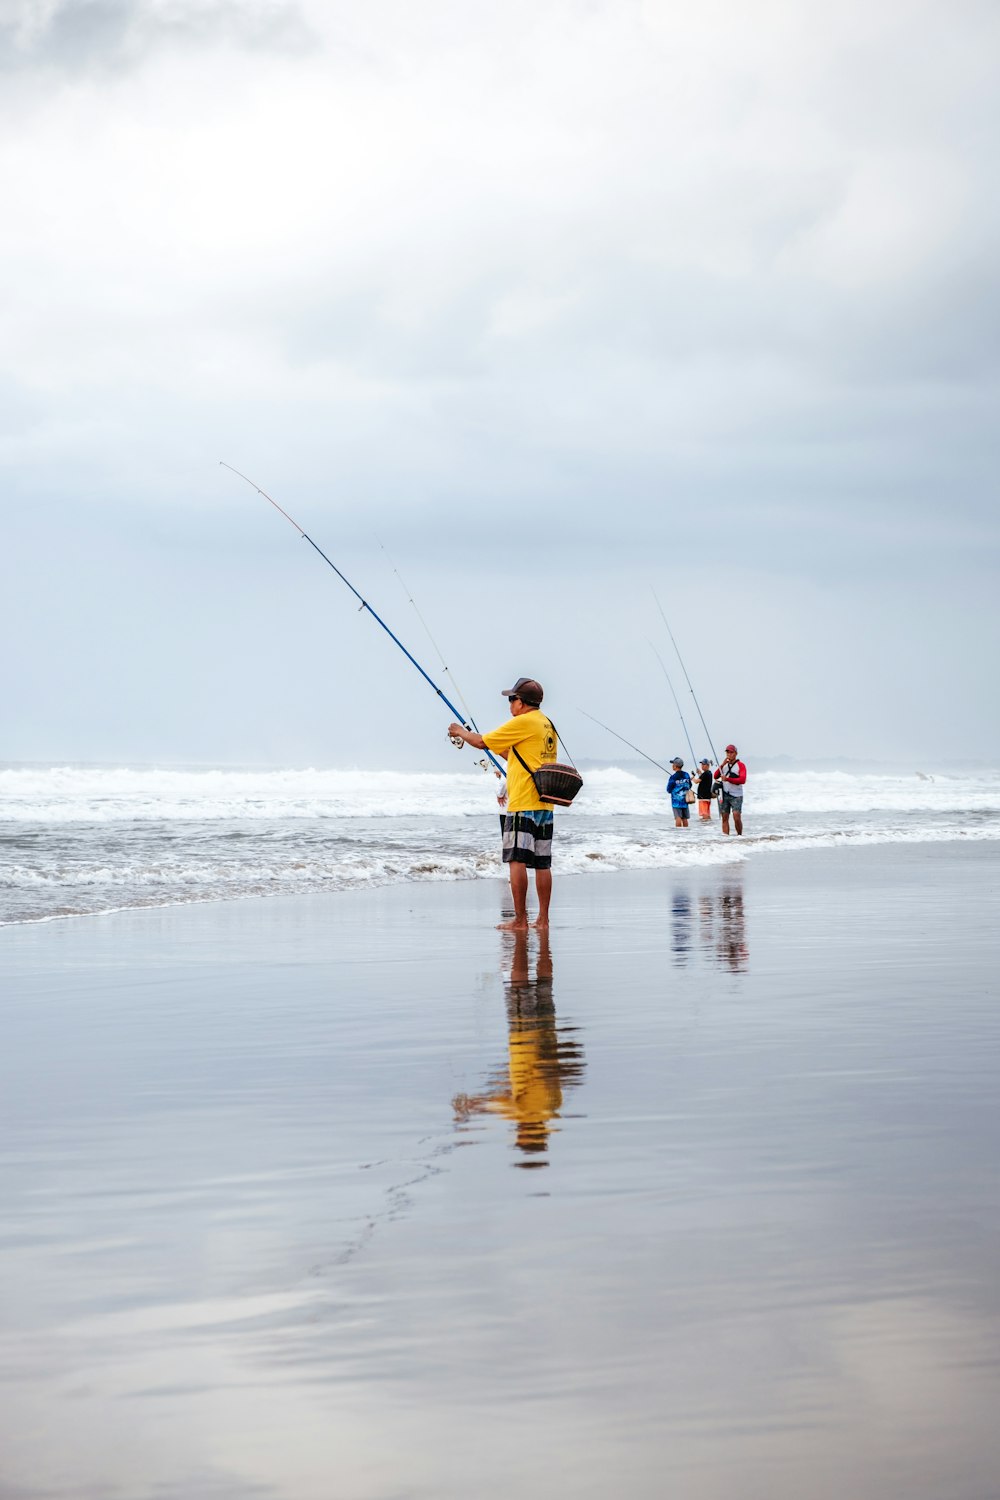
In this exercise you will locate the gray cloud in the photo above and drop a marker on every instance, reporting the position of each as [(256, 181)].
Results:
[(633, 292), (79, 36)]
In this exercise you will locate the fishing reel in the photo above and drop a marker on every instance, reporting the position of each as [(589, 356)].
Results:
[(483, 762)]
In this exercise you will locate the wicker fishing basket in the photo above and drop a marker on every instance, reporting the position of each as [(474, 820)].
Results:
[(557, 784)]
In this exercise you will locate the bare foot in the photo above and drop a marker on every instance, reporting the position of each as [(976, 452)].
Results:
[(519, 924), (541, 924)]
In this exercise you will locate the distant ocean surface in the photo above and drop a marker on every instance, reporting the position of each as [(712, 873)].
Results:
[(82, 840)]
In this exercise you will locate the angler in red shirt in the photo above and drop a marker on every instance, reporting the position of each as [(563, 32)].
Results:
[(731, 777)]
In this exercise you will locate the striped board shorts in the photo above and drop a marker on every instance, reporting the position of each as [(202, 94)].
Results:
[(527, 839)]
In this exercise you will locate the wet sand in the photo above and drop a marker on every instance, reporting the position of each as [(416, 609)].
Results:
[(353, 1196)]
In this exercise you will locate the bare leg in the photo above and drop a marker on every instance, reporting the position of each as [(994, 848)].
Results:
[(543, 890), (519, 892), (738, 820), (725, 822)]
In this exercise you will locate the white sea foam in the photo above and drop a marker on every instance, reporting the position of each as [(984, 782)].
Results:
[(69, 793), (98, 794), (84, 839)]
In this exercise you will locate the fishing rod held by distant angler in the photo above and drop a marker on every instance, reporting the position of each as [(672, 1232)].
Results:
[(624, 741), (686, 678), (364, 602), (659, 658)]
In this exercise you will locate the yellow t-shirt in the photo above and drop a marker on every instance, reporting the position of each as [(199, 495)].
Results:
[(534, 736)]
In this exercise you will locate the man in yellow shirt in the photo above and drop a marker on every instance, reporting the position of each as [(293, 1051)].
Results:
[(528, 823)]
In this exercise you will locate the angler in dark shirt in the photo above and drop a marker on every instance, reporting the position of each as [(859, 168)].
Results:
[(705, 791)]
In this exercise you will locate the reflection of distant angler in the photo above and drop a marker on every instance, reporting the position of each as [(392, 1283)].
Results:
[(731, 938), (681, 913), (722, 926), (542, 1059)]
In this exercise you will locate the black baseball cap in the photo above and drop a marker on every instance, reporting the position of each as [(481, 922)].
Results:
[(527, 689)]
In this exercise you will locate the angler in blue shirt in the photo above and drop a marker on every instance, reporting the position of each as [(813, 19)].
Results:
[(679, 786)]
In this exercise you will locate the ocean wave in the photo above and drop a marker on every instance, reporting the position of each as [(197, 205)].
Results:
[(71, 794), (121, 877), (82, 840)]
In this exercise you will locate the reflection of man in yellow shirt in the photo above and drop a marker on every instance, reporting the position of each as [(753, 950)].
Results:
[(540, 1059), (528, 822)]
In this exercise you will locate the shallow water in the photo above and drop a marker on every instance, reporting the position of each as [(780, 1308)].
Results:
[(358, 1197)]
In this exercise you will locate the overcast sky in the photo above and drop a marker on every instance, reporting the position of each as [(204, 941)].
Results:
[(561, 303)]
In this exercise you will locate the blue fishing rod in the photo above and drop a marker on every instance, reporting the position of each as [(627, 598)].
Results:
[(469, 724)]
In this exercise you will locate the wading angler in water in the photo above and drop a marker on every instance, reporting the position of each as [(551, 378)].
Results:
[(705, 790), (731, 775), (679, 786), (527, 740)]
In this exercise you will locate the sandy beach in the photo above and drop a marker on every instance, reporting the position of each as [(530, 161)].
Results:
[(354, 1196)]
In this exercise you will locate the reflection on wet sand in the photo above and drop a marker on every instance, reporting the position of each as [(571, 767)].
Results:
[(680, 914), (543, 1058), (721, 926), (731, 949)]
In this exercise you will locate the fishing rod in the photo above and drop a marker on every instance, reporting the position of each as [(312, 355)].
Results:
[(659, 658), (686, 679), (624, 741), (469, 720), (427, 631), (364, 602)]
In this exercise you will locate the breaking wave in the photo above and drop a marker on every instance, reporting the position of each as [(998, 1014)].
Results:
[(81, 840)]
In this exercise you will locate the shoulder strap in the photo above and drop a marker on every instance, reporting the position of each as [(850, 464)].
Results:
[(560, 739), (525, 764), (531, 773), (528, 768)]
